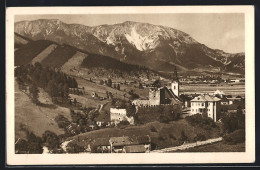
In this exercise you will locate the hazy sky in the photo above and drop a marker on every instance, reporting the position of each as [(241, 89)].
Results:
[(218, 31)]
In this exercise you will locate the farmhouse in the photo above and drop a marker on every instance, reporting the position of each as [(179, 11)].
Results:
[(206, 104), (125, 144)]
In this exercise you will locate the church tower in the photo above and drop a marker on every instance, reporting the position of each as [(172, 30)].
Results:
[(175, 83)]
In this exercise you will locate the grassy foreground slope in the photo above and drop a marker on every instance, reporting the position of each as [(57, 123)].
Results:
[(37, 119), (218, 147), (162, 135)]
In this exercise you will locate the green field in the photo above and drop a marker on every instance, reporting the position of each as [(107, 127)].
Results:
[(228, 89)]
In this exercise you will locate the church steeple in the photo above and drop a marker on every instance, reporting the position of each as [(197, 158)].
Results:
[(175, 75), (175, 83)]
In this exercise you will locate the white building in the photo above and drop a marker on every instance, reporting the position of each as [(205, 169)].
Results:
[(118, 115), (207, 104)]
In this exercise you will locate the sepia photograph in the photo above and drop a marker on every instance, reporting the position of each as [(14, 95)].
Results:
[(130, 85)]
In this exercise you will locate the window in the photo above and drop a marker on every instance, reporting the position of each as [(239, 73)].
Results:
[(192, 110), (196, 110), (199, 104), (174, 87), (202, 104), (209, 109)]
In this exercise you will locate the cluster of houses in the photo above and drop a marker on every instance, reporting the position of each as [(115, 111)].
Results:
[(117, 144), (208, 104)]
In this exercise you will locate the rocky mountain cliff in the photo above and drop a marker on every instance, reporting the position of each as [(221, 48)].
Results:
[(156, 47)]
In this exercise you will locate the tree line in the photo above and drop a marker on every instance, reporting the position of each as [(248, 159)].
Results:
[(54, 82)]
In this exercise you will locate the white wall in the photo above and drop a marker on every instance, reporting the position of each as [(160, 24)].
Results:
[(118, 115)]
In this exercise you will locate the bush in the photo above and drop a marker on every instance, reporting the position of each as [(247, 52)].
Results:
[(235, 137), (172, 136), (123, 124), (199, 120), (153, 129), (74, 148), (62, 121), (199, 137)]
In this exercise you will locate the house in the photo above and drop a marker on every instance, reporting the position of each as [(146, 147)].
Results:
[(103, 119), (125, 144), (224, 101), (219, 93), (206, 104), (118, 115), (100, 145), (232, 108)]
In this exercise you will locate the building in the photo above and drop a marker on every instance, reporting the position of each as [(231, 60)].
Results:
[(162, 96), (100, 145), (219, 93), (206, 104), (125, 144), (118, 115)]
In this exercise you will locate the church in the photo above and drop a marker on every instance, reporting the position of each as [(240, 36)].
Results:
[(163, 95)]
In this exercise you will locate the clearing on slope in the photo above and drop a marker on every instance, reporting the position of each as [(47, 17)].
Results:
[(44, 54), (59, 56)]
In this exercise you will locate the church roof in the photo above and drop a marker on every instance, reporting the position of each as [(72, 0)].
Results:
[(177, 99)]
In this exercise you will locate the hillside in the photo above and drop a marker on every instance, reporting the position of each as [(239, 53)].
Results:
[(137, 43), (26, 53), (36, 118), (162, 135), (20, 40), (77, 62)]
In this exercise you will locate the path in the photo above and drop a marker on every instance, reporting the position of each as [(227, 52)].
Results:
[(189, 145)]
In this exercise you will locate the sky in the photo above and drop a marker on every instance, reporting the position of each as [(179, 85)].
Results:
[(216, 30)]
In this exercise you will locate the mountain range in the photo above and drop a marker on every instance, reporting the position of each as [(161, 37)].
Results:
[(156, 47)]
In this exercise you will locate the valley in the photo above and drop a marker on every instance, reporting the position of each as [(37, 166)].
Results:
[(81, 84)]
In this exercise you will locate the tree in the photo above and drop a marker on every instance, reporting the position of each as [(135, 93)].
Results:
[(130, 110), (75, 101), (51, 140), (109, 83), (183, 138), (157, 83), (118, 87), (101, 82), (34, 92), (140, 86)]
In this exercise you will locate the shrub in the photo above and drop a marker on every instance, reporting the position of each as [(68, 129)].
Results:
[(123, 123), (62, 121), (172, 136), (74, 148), (235, 137), (199, 137), (199, 120), (153, 129)]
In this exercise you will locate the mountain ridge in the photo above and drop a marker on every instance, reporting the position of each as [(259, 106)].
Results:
[(135, 43)]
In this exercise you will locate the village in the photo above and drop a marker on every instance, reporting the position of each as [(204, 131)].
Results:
[(212, 105), (117, 109)]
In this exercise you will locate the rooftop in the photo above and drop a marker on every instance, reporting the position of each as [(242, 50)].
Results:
[(205, 98)]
